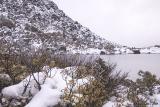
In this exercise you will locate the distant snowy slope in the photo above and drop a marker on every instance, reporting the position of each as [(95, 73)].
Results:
[(150, 50)]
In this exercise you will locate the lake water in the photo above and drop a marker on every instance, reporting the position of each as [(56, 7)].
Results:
[(132, 63)]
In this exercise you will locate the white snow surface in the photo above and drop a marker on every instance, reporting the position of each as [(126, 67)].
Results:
[(45, 97), (109, 104)]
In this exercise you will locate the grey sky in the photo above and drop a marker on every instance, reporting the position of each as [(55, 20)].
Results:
[(127, 22)]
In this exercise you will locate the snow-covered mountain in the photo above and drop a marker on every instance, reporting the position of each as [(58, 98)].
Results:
[(40, 23)]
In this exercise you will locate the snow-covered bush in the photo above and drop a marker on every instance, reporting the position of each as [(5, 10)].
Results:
[(142, 91), (101, 86), (147, 82)]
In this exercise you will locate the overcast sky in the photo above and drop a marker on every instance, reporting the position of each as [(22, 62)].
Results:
[(127, 22)]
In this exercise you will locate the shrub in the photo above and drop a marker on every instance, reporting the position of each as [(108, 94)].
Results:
[(10, 66), (147, 82), (102, 84), (141, 90)]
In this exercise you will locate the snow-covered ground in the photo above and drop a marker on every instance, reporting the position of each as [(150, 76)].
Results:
[(52, 87), (53, 84)]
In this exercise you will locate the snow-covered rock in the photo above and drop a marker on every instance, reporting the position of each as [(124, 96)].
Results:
[(5, 77)]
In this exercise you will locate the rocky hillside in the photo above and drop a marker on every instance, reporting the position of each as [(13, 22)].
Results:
[(32, 24)]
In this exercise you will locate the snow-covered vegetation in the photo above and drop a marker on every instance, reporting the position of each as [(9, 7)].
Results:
[(51, 81), (43, 79), (42, 62), (81, 86), (53, 86)]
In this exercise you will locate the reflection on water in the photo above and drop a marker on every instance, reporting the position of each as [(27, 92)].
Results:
[(133, 63)]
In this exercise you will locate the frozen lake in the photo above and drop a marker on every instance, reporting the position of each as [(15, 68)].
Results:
[(132, 63)]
